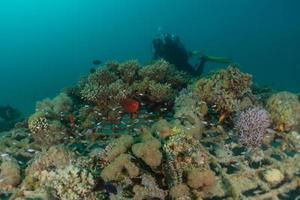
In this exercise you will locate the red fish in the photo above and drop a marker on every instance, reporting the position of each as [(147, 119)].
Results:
[(72, 120), (131, 106)]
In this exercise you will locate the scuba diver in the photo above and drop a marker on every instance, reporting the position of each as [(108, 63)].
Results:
[(170, 48)]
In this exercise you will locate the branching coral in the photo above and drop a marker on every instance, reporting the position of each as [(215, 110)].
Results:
[(73, 183), (225, 89), (284, 109), (46, 123), (115, 82), (251, 126)]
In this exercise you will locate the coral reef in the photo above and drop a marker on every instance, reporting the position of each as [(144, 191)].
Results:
[(284, 109), (251, 126), (132, 132), (114, 82)]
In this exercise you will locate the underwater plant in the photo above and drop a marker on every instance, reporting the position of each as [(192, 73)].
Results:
[(251, 126)]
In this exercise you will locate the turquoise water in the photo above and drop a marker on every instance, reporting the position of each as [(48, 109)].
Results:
[(47, 45)]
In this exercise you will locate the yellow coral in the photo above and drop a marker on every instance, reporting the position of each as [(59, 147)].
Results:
[(115, 171), (284, 109), (10, 175), (148, 150)]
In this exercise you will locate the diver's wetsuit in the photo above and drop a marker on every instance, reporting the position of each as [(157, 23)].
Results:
[(170, 48)]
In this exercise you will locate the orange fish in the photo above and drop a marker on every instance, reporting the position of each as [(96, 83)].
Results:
[(72, 120), (131, 106)]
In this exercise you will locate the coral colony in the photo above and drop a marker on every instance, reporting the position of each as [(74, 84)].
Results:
[(127, 131)]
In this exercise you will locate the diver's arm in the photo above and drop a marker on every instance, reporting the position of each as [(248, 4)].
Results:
[(200, 66)]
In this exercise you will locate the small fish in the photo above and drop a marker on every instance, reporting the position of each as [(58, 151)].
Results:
[(257, 191), (31, 150), (4, 154), (72, 120), (97, 62), (130, 106)]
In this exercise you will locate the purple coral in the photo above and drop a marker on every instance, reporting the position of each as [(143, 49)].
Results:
[(251, 126)]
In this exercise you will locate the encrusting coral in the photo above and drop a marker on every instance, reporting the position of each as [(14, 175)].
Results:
[(284, 109)]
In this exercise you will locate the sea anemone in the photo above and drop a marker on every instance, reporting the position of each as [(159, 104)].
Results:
[(251, 126)]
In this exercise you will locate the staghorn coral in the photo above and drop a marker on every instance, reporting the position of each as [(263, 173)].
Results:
[(128, 71), (73, 183), (148, 150), (225, 89), (157, 71), (115, 82), (160, 92), (251, 126), (284, 109)]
